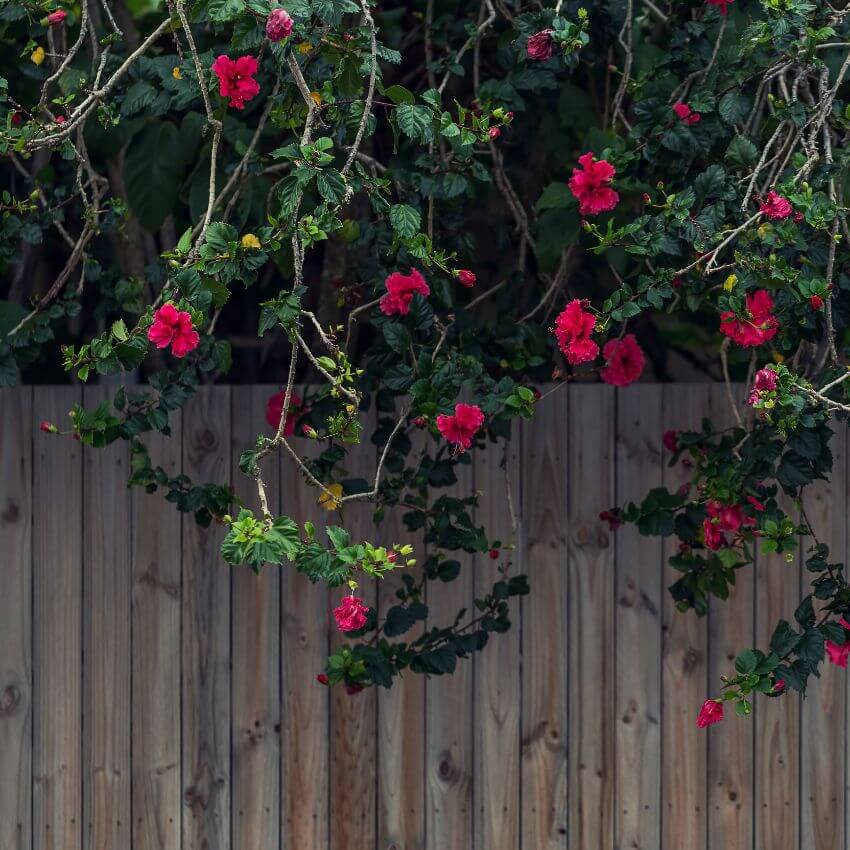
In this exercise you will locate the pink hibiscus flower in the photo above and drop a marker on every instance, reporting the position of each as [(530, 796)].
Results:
[(236, 79), (686, 114), (173, 327), (461, 427), (540, 45), (590, 185), (624, 361), (573, 328), (757, 327), (400, 291), (711, 712), (278, 25), (350, 614), (775, 206)]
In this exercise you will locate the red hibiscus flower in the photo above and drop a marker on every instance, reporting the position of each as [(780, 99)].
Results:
[(721, 4), (278, 25), (236, 79), (540, 45), (686, 114), (757, 327), (573, 328), (350, 614), (590, 185), (711, 712), (173, 327), (465, 277), (816, 302), (624, 361), (765, 382), (274, 410), (400, 291), (462, 426), (776, 207)]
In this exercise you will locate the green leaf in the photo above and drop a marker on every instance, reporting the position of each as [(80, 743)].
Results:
[(153, 173), (556, 195), (416, 122), (10, 315), (399, 94), (405, 220)]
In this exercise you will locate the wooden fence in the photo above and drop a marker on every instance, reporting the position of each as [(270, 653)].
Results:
[(151, 697)]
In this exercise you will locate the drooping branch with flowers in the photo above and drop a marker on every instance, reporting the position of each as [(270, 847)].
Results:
[(427, 210)]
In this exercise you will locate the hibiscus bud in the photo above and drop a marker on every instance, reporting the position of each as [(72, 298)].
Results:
[(816, 302), (494, 133), (322, 679), (494, 553), (353, 689), (535, 392), (48, 427), (278, 25), (54, 19), (309, 431), (392, 557), (465, 277), (646, 198), (509, 116)]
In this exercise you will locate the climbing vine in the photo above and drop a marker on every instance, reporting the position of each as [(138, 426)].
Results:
[(428, 211)]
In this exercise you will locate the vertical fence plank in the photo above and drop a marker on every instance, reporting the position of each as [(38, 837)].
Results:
[(591, 617), (448, 707), (638, 628), (255, 674), (57, 626), (106, 641), (777, 721), (823, 720), (16, 433), (353, 784), (543, 694), (730, 747), (497, 668), (206, 633), (684, 750), (401, 708), (156, 560), (305, 717)]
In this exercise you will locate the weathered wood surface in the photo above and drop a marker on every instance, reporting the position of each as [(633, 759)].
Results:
[(151, 698)]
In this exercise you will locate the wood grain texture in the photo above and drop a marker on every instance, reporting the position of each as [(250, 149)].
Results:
[(401, 708), (496, 718), (106, 641), (255, 677), (777, 721), (824, 716), (730, 748), (684, 750), (156, 560), (305, 704), (206, 634), (592, 655), (353, 716), (543, 695), (639, 570), (16, 433), (448, 709), (57, 626)]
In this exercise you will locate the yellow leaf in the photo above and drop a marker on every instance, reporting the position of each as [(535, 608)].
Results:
[(330, 501), (175, 72), (38, 55), (729, 283), (250, 241)]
